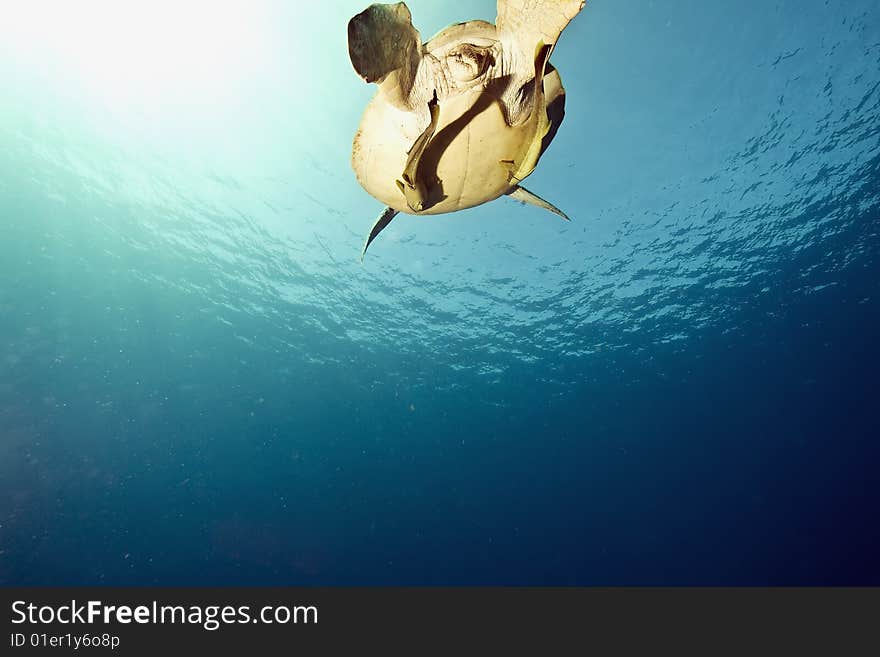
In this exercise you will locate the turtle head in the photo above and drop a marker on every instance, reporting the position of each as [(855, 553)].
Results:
[(467, 62)]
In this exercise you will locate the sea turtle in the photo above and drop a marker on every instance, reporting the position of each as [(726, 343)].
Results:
[(462, 119)]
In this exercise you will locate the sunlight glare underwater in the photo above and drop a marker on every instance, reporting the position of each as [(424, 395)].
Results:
[(129, 52)]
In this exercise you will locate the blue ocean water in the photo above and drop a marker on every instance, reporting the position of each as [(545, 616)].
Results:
[(200, 383)]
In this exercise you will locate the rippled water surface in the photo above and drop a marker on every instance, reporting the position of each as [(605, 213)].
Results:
[(200, 383)]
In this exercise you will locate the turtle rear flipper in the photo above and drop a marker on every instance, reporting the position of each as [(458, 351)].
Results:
[(525, 196), (381, 223)]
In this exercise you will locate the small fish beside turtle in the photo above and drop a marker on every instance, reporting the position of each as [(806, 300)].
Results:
[(462, 119)]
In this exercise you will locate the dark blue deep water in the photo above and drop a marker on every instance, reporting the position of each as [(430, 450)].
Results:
[(201, 384)]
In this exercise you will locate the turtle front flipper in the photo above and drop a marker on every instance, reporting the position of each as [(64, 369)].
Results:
[(414, 189), (522, 23), (385, 48)]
